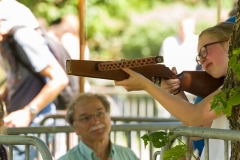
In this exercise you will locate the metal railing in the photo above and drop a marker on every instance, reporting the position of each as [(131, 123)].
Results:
[(206, 133), (11, 140), (129, 133), (138, 103), (116, 134), (115, 119)]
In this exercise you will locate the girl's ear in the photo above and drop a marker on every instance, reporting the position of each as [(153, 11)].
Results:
[(229, 41), (1, 123)]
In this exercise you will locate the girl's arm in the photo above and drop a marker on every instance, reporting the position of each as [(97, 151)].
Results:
[(189, 114)]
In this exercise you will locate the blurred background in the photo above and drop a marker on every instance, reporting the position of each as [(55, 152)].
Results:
[(128, 29), (123, 29)]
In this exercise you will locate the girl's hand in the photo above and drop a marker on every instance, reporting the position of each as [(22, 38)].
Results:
[(171, 85), (135, 81)]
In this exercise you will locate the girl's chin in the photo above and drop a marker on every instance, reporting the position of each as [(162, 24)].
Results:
[(215, 75)]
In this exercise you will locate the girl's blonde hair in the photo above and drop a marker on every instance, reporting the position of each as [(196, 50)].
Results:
[(221, 31)]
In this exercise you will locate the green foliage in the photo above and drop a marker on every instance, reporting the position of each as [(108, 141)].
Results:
[(111, 27), (219, 103), (51, 9), (176, 152), (159, 139), (144, 40), (233, 63)]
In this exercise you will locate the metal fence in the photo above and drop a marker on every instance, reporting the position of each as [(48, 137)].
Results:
[(138, 114), (131, 136), (135, 103), (129, 103), (127, 135), (206, 133), (11, 140), (115, 119), (120, 137)]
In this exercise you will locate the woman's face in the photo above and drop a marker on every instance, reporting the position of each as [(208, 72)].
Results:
[(216, 61)]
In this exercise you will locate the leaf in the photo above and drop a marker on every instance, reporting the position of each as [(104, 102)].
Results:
[(237, 89), (236, 51), (158, 139), (222, 106), (234, 100), (145, 138), (217, 100), (238, 75), (236, 68), (218, 108), (228, 110), (232, 61), (232, 92), (175, 153)]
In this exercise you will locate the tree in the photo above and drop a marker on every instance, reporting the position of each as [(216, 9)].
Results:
[(232, 82)]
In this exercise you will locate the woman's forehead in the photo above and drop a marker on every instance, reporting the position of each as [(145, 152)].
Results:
[(206, 38)]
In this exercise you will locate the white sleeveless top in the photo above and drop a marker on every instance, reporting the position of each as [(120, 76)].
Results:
[(216, 147)]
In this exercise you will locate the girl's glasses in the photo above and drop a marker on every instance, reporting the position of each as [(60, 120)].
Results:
[(203, 52)]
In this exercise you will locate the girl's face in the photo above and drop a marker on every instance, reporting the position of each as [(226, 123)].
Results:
[(216, 61)]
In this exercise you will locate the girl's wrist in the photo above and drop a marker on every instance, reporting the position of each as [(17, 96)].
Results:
[(177, 92)]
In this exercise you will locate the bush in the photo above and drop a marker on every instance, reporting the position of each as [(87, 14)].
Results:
[(145, 40)]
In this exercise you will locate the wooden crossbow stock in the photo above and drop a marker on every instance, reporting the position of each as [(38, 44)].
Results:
[(199, 83)]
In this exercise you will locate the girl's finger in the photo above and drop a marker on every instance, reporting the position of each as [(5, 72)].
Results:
[(174, 70)]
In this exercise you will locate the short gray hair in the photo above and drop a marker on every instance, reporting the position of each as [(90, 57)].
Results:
[(82, 97)]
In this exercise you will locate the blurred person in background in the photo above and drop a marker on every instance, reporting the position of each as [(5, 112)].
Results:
[(89, 115), (42, 22), (66, 31), (233, 11), (178, 50), (28, 99), (70, 38)]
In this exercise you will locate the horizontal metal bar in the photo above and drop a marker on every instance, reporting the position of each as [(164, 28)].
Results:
[(119, 127), (213, 133), (114, 118)]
